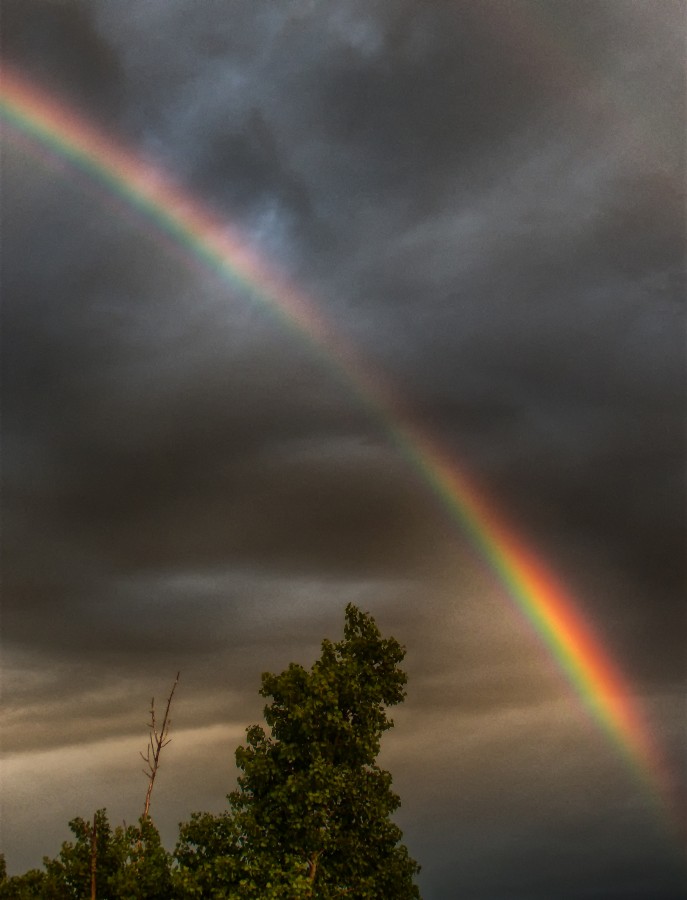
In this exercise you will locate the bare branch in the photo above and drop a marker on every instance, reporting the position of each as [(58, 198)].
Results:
[(156, 741)]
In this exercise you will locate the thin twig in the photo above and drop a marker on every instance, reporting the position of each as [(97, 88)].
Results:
[(156, 741)]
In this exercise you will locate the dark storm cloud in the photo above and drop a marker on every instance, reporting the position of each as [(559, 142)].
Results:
[(134, 442), (433, 159), (531, 285), (475, 808), (57, 44)]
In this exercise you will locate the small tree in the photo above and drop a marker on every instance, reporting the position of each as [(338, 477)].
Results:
[(130, 863), (311, 816)]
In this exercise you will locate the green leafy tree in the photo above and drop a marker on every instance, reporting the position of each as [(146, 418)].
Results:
[(144, 866), (130, 864), (69, 874), (312, 814), (22, 887)]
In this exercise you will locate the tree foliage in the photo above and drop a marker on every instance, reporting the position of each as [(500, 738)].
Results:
[(130, 864), (311, 816)]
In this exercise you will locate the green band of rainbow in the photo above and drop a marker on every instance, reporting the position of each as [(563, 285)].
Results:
[(536, 592)]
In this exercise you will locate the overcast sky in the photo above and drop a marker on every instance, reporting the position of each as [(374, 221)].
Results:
[(485, 199)]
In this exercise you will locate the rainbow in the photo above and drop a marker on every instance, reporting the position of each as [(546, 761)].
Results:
[(537, 593)]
